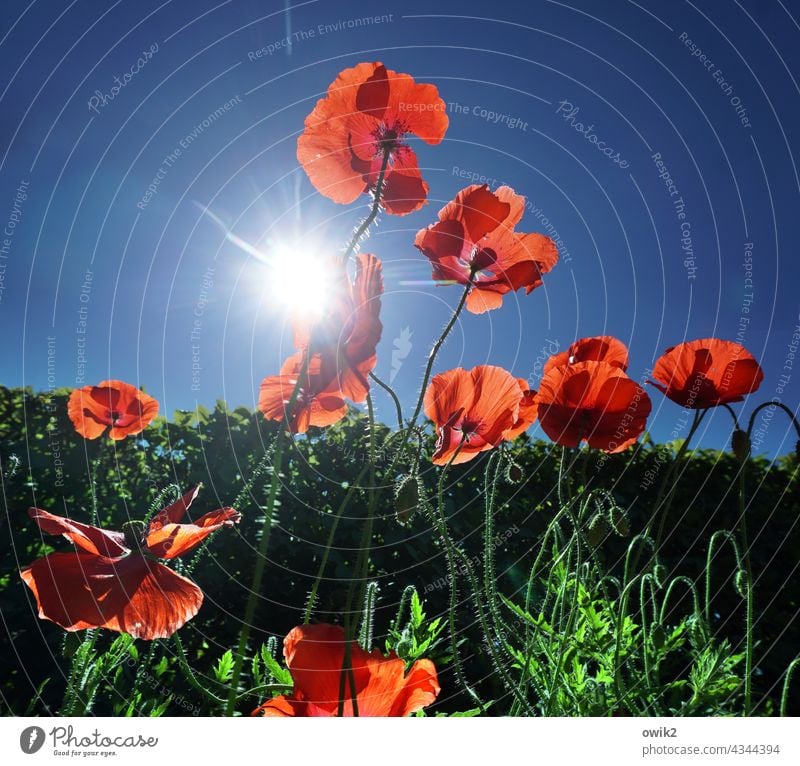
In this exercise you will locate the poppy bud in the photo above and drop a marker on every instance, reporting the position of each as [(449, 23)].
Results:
[(596, 531), (404, 645), (658, 637), (406, 499), (513, 473), (619, 520), (741, 583), (740, 444)]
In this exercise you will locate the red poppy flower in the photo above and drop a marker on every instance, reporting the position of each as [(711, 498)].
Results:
[(527, 412), (113, 403), (368, 112), (113, 580), (594, 402), (472, 411), (315, 654), (475, 239), (342, 346), (705, 373), (603, 348)]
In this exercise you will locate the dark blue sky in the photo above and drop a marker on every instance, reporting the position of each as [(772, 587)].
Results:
[(694, 102)]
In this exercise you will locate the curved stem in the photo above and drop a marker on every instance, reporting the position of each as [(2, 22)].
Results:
[(733, 415), (773, 404), (189, 673), (435, 351), (373, 213), (389, 390), (785, 693)]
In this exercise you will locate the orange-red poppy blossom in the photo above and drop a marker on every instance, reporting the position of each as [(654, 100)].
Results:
[(527, 412), (602, 348), (315, 654), (112, 403), (594, 402), (474, 240), (114, 580), (706, 373), (342, 354), (366, 116), (473, 411)]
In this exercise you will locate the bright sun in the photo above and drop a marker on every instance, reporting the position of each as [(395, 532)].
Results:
[(301, 281)]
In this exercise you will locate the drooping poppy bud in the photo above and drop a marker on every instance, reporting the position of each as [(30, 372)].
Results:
[(514, 473), (596, 531), (620, 521), (740, 444), (406, 498)]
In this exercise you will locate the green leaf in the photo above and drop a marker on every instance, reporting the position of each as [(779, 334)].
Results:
[(224, 668)]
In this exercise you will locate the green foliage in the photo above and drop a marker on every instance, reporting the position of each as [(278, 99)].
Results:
[(581, 640)]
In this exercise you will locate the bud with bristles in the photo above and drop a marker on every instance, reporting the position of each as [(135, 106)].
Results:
[(741, 583), (406, 498), (740, 444), (619, 521), (596, 531), (514, 473)]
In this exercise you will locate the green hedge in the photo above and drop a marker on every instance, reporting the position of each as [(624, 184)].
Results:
[(44, 462)]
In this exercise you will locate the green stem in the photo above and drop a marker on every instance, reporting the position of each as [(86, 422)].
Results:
[(263, 543), (667, 501), (389, 390), (773, 404), (373, 213), (312, 596), (189, 674), (785, 693), (748, 678), (434, 352)]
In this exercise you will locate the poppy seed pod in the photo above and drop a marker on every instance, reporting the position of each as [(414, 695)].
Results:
[(740, 444)]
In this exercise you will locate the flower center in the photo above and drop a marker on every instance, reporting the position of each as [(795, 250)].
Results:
[(134, 533), (390, 137), (468, 428), (482, 258)]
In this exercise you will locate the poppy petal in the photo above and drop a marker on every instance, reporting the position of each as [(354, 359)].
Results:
[(315, 655), (173, 540), (94, 540), (173, 513), (404, 190), (706, 373), (418, 107), (372, 96), (130, 595)]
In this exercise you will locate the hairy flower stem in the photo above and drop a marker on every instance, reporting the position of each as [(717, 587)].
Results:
[(748, 661), (312, 596), (361, 574), (263, 543), (666, 502), (786, 685), (373, 213), (389, 390), (432, 357)]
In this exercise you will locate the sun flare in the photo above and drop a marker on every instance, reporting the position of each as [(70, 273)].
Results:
[(300, 282)]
